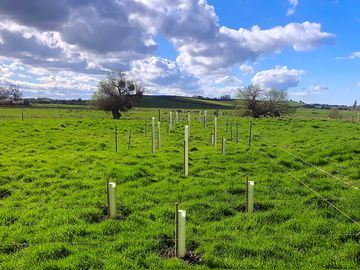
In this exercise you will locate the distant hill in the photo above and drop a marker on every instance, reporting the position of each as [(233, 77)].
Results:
[(184, 102)]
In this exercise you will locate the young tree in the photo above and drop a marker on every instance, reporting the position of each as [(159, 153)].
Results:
[(117, 94), (262, 102)]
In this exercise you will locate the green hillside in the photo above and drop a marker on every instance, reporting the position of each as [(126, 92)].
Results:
[(184, 103)]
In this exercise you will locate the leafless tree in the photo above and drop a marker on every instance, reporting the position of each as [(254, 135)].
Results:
[(117, 94), (15, 92), (4, 93)]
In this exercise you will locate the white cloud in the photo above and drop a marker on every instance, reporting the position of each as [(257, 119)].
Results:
[(91, 37), (160, 75), (293, 5), (247, 69), (354, 55), (280, 78), (311, 90), (236, 46)]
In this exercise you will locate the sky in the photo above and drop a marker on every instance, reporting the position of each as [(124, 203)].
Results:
[(62, 48)]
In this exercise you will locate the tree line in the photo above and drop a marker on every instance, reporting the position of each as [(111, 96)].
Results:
[(10, 92), (118, 94)]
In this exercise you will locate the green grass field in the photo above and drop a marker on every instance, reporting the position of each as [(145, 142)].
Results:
[(54, 166)]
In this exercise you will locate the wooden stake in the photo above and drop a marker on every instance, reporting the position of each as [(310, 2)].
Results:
[(231, 133), (107, 197), (176, 230), (237, 133), (159, 142), (170, 121), (188, 121), (22, 116), (129, 140), (215, 130), (249, 142), (159, 116), (116, 139), (205, 119)]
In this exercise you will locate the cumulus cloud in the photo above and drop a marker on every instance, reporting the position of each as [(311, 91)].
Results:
[(292, 8), (162, 76), (42, 82), (311, 90), (94, 36), (236, 46), (247, 69), (280, 78)]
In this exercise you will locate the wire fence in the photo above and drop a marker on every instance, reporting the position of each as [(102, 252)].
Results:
[(329, 201)]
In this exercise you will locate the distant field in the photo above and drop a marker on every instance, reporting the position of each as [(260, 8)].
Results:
[(184, 102), (55, 163)]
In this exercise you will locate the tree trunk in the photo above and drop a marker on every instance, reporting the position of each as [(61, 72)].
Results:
[(116, 114)]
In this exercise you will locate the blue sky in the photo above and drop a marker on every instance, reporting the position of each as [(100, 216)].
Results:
[(62, 48)]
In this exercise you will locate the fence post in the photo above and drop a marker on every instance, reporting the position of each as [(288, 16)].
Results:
[(22, 116), (170, 121), (159, 116), (116, 139), (129, 141), (199, 117), (188, 121), (159, 142), (227, 125), (205, 119), (237, 133), (215, 130), (249, 142), (231, 133), (153, 134), (186, 151), (112, 199), (176, 117), (223, 145), (249, 206), (176, 230)]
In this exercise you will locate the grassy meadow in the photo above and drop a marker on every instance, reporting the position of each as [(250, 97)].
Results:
[(54, 165)]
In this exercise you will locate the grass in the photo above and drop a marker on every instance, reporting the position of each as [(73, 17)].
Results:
[(55, 163)]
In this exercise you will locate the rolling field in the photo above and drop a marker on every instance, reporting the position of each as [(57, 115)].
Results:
[(55, 163)]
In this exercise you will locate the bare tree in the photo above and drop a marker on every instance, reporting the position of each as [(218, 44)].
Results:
[(117, 94), (4, 93), (263, 102), (15, 92), (250, 95)]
